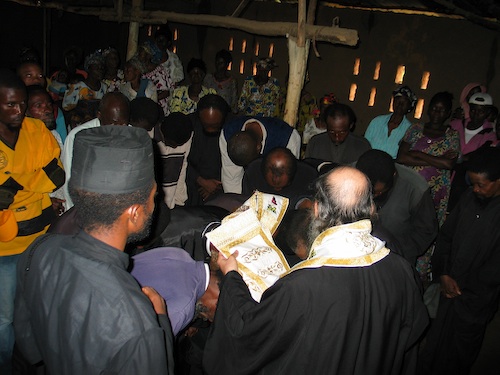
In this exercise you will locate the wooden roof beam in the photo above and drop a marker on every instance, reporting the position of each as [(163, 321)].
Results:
[(329, 34)]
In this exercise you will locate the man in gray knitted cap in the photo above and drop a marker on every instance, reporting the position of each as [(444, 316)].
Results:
[(78, 310)]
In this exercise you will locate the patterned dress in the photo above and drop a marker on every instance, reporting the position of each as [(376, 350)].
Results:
[(439, 180), (226, 89), (181, 102), (115, 83), (80, 91), (258, 100), (160, 77)]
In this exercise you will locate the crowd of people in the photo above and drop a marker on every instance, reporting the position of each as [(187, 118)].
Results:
[(111, 179)]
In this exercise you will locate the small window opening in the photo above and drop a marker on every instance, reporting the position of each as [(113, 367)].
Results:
[(426, 76), (376, 73), (357, 62), (419, 108), (373, 93), (352, 92), (400, 74)]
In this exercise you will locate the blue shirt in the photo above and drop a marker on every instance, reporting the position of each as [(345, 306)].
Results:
[(377, 130)]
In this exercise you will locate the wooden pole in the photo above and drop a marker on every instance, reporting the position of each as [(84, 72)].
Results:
[(298, 52), (119, 9), (240, 8), (297, 57), (46, 41), (311, 12), (133, 30), (301, 24)]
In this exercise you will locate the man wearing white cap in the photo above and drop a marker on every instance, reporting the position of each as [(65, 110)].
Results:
[(478, 130), (473, 133), (78, 310)]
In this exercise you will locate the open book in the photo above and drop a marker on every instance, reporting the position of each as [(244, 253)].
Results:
[(249, 230)]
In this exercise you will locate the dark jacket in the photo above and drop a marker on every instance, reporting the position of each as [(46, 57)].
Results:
[(80, 312)]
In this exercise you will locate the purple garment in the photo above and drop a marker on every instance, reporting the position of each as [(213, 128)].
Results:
[(487, 134), (179, 279)]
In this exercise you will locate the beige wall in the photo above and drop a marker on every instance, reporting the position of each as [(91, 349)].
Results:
[(455, 52)]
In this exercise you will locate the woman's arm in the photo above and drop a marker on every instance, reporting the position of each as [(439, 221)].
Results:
[(418, 158)]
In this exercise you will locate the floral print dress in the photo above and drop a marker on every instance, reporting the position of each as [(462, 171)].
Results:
[(161, 79), (439, 180), (258, 100)]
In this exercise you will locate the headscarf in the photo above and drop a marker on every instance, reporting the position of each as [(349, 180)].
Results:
[(463, 97), (137, 64), (152, 49), (94, 58), (267, 64), (325, 100), (406, 92), (108, 50)]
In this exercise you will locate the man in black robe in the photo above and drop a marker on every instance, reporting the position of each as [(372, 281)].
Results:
[(203, 177), (279, 172), (352, 307), (467, 262), (78, 310)]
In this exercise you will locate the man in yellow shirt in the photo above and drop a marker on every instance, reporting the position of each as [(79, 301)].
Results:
[(29, 170)]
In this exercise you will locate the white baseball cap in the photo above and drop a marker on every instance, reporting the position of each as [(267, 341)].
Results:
[(481, 98)]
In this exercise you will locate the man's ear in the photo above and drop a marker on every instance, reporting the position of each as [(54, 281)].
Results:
[(133, 213), (259, 148), (98, 115), (315, 208)]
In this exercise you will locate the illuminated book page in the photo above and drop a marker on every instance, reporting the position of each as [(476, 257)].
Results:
[(260, 262)]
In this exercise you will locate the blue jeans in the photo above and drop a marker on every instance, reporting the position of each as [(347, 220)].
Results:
[(7, 294)]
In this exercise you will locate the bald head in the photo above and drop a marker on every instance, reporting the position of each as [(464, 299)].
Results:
[(279, 167), (343, 196), (114, 109)]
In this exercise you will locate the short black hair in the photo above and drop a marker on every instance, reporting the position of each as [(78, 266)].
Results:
[(35, 89), (487, 162), (444, 97), (10, 80), (29, 62), (145, 109), (293, 228), (111, 206), (213, 101), (177, 127), (378, 165), (165, 31), (225, 55), (196, 63), (242, 148), (339, 110)]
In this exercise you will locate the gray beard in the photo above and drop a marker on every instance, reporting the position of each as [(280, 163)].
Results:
[(316, 227)]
